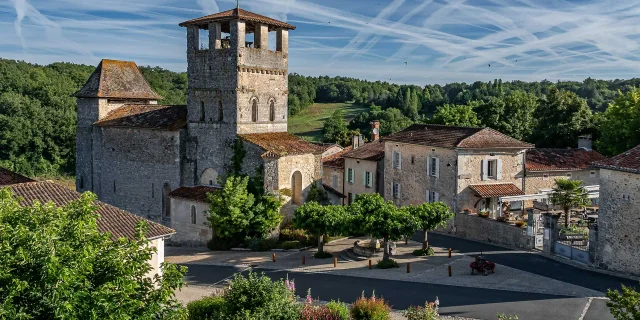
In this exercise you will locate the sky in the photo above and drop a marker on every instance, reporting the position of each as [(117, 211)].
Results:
[(401, 41)]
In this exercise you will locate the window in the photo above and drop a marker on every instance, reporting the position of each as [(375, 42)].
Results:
[(202, 113), (193, 214), (396, 191), (433, 167), (254, 111), (413, 159), (397, 160), (491, 169), (81, 182), (334, 181), (367, 179), (350, 175), (568, 175), (210, 182), (272, 111), (350, 198), (545, 176), (220, 112), (516, 205), (593, 173), (153, 191), (432, 196), (114, 186)]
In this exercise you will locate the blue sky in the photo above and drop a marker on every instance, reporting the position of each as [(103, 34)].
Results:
[(402, 41)]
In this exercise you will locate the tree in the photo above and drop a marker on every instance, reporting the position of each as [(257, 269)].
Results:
[(620, 126), (568, 194), (625, 304), (455, 115), (57, 265), (335, 129), (430, 216), (320, 221), (382, 219), (560, 119)]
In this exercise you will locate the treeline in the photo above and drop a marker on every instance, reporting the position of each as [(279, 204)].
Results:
[(38, 113)]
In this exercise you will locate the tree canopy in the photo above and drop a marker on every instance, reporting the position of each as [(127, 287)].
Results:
[(320, 220), (429, 216), (568, 194), (620, 124)]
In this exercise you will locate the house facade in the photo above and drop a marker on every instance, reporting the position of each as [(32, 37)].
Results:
[(466, 168), (618, 218), (364, 166)]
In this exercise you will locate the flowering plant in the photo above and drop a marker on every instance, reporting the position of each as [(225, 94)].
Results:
[(482, 266)]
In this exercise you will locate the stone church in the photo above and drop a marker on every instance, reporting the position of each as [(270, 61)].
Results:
[(159, 161)]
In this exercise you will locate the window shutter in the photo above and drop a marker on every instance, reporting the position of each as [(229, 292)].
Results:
[(399, 191), (364, 178), (399, 160), (485, 169), (437, 167), (428, 196), (428, 166), (436, 197), (499, 169)]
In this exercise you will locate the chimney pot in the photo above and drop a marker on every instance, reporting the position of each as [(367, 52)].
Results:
[(375, 130)]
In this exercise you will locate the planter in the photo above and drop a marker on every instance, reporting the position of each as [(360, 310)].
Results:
[(367, 248)]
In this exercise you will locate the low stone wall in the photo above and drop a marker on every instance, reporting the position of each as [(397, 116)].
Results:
[(487, 230)]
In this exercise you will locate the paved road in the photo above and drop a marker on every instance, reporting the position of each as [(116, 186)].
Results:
[(458, 301), (533, 263)]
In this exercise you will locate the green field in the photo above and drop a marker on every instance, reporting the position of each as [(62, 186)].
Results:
[(308, 123)]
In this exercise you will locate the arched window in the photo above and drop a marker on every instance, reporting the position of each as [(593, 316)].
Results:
[(272, 111), (220, 112), (166, 208), (202, 114), (208, 177), (254, 110), (81, 182), (193, 214)]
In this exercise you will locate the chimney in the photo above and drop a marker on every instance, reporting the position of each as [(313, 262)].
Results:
[(584, 142), (355, 142), (375, 130)]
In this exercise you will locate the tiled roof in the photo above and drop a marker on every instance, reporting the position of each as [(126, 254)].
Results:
[(334, 191), (7, 177), (198, 193), (455, 137), (561, 159), (147, 116), (336, 160), (117, 79), (120, 223), (235, 14), (372, 151), (628, 161), (281, 144), (496, 190)]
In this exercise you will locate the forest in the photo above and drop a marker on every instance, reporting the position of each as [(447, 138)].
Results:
[(38, 111)]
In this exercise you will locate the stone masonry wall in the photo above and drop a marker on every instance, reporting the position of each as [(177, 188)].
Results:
[(187, 233), (309, 166), (537, 181), (619, 222), (491, 231)]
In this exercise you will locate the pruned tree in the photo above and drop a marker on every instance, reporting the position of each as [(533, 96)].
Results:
[(320, 220), (430, 216), (568, 194), (624, 304)]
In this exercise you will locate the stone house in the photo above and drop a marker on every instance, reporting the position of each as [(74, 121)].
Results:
[(133, 152), (466, 168), (618, 218), (119, 223), (333, 176), (189, 213), (364, 166)]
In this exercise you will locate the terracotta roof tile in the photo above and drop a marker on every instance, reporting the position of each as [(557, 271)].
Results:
[(628, 161), (455, 137), (281, 144), (234, 14), (561, 159), (336, 160), (116, 221), (496, 190), (372, 151), (7, 177), (198, 193), (117, 79), (147, 116)]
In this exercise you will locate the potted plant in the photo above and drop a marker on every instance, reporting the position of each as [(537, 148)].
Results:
[(484, 213), (466, 210), (521, 224)]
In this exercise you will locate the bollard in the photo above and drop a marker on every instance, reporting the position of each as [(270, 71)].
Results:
[(449, 252), (369, 263), (408, 267), (449, 271), (303, 259), (335, 262), (273, 257)]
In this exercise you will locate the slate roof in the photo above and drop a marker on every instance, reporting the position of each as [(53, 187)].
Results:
[(541, 159), (198, 193), (372, 151), (146, 116), (281, 144), (117, 79), (7, 178), (628, 161), (120, 223), (235, 14), (455, 137), (496, 190), (336, 160)]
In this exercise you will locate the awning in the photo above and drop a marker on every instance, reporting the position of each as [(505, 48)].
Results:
[(496, 190)]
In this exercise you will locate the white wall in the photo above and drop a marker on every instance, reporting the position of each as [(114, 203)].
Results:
[(187, 233)]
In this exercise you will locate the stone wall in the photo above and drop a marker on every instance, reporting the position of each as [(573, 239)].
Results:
[(539, 180), (359, 168), (490, 231), (310, 167), (619, 222), (187, 233)]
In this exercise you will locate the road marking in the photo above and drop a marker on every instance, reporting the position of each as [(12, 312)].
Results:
[(231, 276), (586, 308)]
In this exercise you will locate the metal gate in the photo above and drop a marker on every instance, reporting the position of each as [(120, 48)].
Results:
[(574, 247)]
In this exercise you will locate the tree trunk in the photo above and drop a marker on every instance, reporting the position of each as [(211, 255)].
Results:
[(424, 242), (321, 243), (387, 249), (566, 218)]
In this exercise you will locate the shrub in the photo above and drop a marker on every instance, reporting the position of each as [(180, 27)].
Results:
[(289, 245), (258, 297), (322, 255), (311, 312), (370, 309), (290, 234), (423, 253), (261, 244), (387, 264), (208, 308), (339, 309), (428, 312), (624, 304), (521, 224)]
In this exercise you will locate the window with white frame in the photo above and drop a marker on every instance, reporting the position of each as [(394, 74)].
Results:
[(491, 168), (396, 191), (368, 181), (433, 167), (334, 181), (432, 196), (350, 175), (397, 160)]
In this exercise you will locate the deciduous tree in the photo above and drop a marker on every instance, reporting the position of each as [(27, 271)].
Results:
[(430, 216), (320, 220)]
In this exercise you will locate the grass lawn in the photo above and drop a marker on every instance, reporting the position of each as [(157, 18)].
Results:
[(69, 182), (308, 123)]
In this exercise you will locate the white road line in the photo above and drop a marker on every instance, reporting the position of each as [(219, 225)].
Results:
[(231, 276), (586, 308)]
